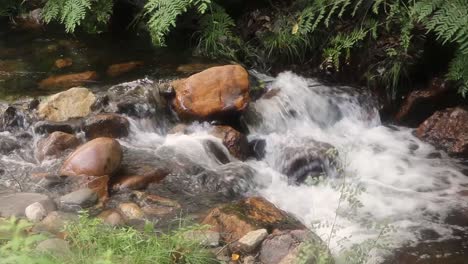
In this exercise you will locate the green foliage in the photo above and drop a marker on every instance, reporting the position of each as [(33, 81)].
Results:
[(9, 8), (93, 242), (73, 13)]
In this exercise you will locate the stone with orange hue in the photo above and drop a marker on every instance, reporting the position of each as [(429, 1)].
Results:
[(55, 144), (213, 92), (100, 185), (155, 205), (235, 141), (136, 182), (116, 70), (98, 157), (112, 217), (62, 63), (131, 211), (68, 80), (447, 129), (235, 220)]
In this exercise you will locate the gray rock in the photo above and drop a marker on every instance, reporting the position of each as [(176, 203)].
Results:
[(35, 212), (276, 247), (251, 240), (78, 200), (14, 204), (204, 237), (249, 260), (54, 246), (54, 222)]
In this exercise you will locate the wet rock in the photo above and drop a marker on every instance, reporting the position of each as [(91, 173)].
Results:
[(116, 70), (8, 144), (54, 246), (106, 125), (234, 141), (421, 104), (131, 211), (14, 204), (284, 247), (155, 205), (48, 127), (138, 182), (55, 222), (100, 185), (63, 63), (235, 220), (228, 181), (257, 148), (214, 92), (112, 218), (78, 200), (55, 144), (214, 149), (447, 129), (73, 103), (68, 80), (309, 158), (248, 260), (250, 241), (98, 157), (13, 118), (30, 20), (35, 212), (204, 237)]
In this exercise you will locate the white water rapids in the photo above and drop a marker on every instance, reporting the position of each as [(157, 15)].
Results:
[(400, 190)]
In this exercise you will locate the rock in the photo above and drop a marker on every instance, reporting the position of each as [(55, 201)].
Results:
[(116, 70), (421, 104), (234, 141), (8, 144), (62, 63), (131, 211), (112, 218), (447, 129), (155, 205), (35, 212), (99, 185), (179, 129), (73, 103), (235, 220), (204, 237), (13, 118), (284, 246), (78, 200), (98, 157), (55, 144), (55, 222), (54, 246), (48, 127), (30, 20), (248, 260), (68, 80), (106, 125), (14, 204), (250, 241), (214, 92), (257, 148), (137, 182)]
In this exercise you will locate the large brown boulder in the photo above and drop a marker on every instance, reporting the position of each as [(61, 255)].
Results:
[(98, 157), (55, 144), (106, 125), (235, 141), (447, 129), (213, 92), (235, 220), (68, 80), (73, 103)]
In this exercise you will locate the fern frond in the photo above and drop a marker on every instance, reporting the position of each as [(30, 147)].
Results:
[(458, 72)]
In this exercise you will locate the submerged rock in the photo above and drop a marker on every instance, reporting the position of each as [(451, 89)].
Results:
[(214, 92), (55, 144), (136, 182), (235, 220), (447, 129), (62, 63), (234, 141), (131, 211), (116, 70), (106, 125), (68, 80), (73, 103), (98, 157)]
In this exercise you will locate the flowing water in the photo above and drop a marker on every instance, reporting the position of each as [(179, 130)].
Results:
[(380, 187)]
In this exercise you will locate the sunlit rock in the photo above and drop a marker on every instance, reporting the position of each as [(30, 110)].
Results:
[(73, 103), (213, 92)]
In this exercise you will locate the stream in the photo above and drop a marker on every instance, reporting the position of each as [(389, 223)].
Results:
[(381, 190)]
